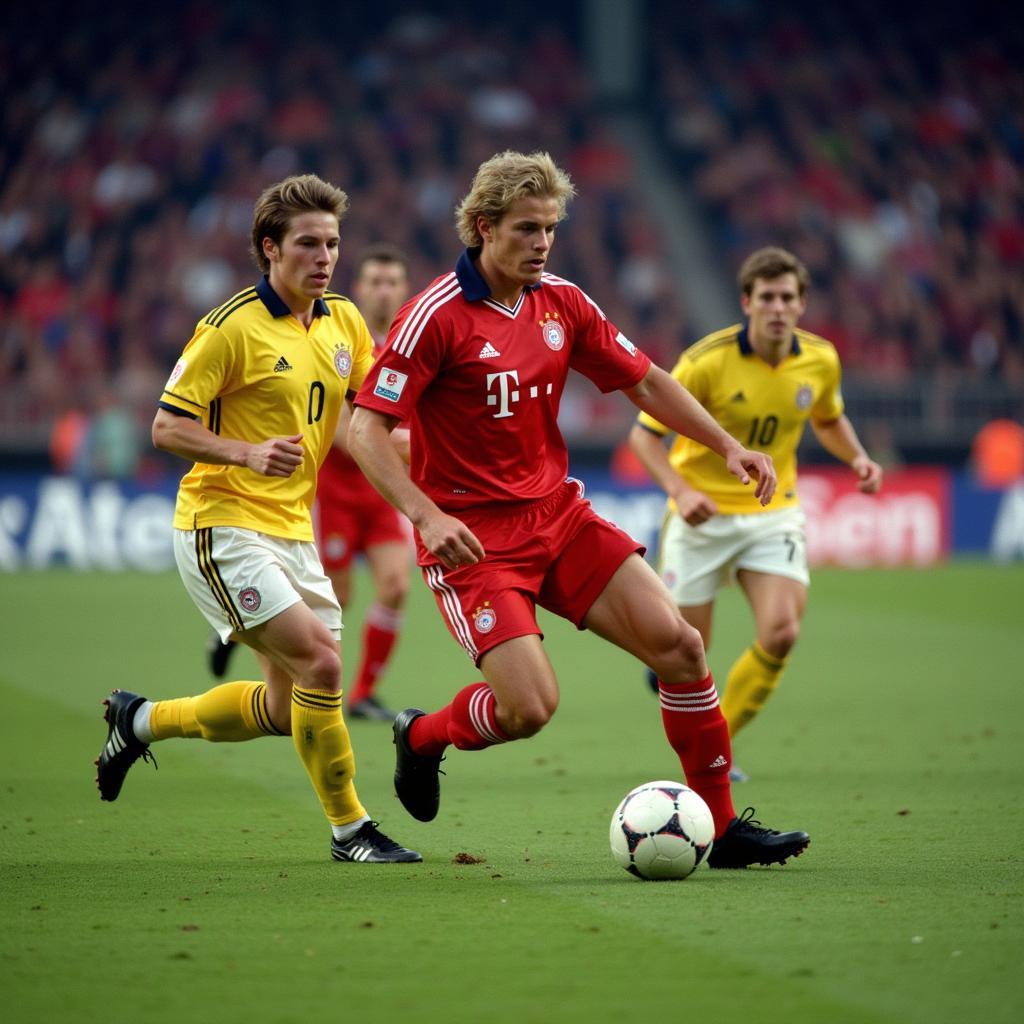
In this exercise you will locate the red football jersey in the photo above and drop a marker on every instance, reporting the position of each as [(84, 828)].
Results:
[(480, 383)]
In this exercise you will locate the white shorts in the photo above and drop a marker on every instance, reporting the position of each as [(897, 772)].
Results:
[(239, 578), (695, 562)]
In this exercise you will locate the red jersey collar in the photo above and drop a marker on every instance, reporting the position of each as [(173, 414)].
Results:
[(471, 281)]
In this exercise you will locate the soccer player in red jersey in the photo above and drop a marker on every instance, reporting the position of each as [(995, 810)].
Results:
[(477, 363), (351, 516)]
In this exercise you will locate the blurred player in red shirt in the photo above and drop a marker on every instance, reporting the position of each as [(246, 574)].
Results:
[(351, 517), (477, 363)]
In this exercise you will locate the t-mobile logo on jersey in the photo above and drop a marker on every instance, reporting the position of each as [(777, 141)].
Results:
[(509, 391)]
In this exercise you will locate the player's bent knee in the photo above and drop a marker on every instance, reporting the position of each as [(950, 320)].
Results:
[(525, 720), (393, 592), (679, 657), (782, 639), (324, 670)]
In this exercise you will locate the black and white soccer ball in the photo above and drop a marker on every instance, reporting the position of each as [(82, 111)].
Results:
[(662, 830)]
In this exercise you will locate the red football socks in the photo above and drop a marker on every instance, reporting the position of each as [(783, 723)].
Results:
[(699, 734), (468, 723), (380, 631)]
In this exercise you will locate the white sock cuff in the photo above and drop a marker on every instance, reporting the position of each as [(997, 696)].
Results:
[(140, 722), (343, 832)]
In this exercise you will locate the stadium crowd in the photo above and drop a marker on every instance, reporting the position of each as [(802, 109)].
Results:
[(889, 159), (884, 146), (133, 154)]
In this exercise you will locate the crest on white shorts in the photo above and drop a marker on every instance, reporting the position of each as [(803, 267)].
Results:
[(250, 599), (484, 618)]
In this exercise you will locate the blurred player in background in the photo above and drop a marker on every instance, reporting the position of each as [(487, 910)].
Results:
[(762, 380), (477, 363), (352, 517), (253, 403)]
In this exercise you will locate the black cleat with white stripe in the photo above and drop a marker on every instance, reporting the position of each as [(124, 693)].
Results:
[(370, 846), (122, 749)]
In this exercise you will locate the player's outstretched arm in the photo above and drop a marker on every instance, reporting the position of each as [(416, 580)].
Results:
[(448, 539), (839, 438), (664, 398), (190, 439)]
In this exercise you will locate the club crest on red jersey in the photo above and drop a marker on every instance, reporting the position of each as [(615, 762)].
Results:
[(484, 618), (343, 361), (250, 599), (552, 331)]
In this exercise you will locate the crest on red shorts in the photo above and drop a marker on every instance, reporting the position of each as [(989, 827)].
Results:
[(553, 332), (485, 618), (249, 599)]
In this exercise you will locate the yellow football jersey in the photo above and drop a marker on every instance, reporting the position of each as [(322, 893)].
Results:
[(764, 407), (252, 372)]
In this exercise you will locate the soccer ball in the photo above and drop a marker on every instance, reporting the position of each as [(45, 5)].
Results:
[(661, 830)]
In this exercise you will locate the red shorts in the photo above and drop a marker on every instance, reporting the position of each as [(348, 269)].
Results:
[(556, 552), (350, 516)]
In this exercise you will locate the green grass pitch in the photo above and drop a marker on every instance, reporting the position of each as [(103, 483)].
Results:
[(206, 893)]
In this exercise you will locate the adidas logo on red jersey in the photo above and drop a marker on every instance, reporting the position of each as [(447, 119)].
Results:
[(489, 352)]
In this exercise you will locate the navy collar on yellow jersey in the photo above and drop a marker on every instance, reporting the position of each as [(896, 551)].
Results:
[(748, 350), (471, 281), (276, 306)]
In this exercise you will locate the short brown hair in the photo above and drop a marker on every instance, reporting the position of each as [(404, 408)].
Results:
[(279, 203), (382, 252), (503, 179), (768, 264)]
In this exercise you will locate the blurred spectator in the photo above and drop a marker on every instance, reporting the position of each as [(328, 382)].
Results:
[(998, 454), (112, 441), (67, 441)]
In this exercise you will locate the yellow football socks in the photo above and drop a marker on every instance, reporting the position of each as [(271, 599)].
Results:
[(228, 713), (749, 684), (321, 738)]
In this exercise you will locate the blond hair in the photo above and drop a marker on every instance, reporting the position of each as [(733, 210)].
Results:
[(502, 180), (279, 203), (769, 263)]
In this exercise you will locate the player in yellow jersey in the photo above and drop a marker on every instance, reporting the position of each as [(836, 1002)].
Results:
[(254, 403), (763, 380)]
